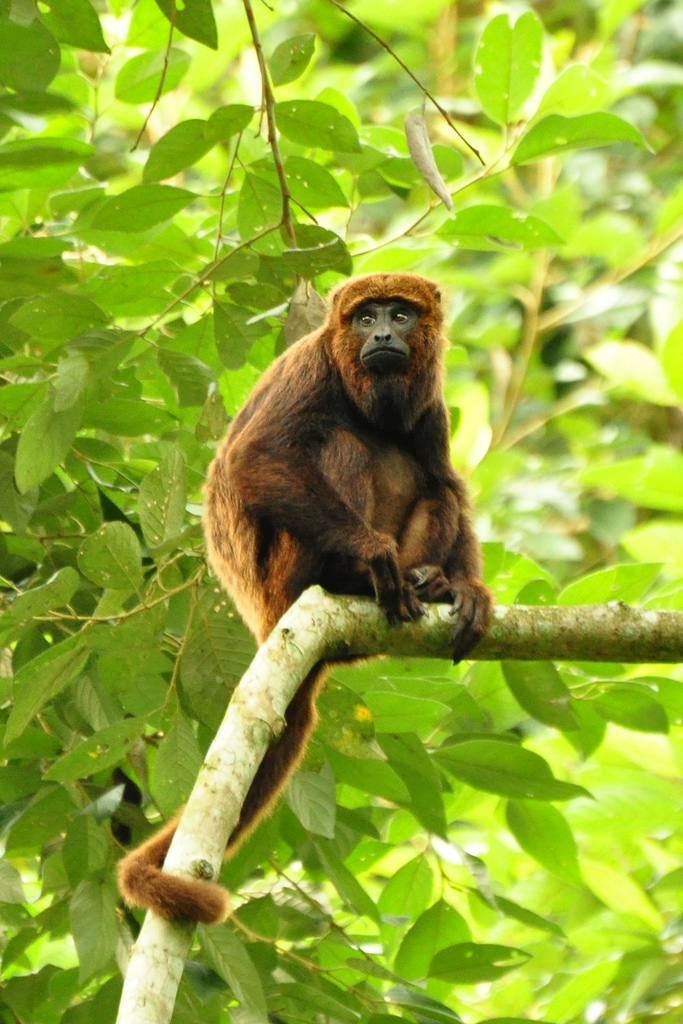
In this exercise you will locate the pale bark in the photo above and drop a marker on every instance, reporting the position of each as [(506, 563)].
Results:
[(319, 627)]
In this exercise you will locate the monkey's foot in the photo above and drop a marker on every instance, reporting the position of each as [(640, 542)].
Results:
[(472, 606), (430, 584), (396, 596)]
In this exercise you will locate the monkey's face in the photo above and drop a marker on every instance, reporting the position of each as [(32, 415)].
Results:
[(384, 329)]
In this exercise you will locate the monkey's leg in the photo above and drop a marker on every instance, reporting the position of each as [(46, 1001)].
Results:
[(282, 758), (439, 554)]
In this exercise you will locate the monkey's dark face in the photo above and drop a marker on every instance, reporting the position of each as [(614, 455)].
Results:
[(384, 330)]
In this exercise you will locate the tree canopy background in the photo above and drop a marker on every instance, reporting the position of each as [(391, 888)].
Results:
[(485, 841)]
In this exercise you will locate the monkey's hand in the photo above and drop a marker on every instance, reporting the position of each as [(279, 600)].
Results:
[(472, 604), (395, 595)]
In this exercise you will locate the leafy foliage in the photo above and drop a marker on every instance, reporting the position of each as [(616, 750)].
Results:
[(463, 843)]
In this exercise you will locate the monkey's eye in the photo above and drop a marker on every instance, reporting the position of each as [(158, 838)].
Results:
[(401, 318), (367, 319)]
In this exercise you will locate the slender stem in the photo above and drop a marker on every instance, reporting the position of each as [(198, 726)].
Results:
[(554, 317), (269, 102), (221, 210), (530, 331), (383, 43), (164, 72)]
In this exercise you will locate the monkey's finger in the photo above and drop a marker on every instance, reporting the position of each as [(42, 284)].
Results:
[(413, 606)]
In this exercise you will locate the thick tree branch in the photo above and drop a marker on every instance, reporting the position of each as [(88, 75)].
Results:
[(317, 627)]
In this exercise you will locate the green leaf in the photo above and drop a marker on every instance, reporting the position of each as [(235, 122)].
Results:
[(627, 583), (576, 90), (98, 753), (506, 769), (228, 121), (213, 419), (632, 707), (11, 886), (350, 890), (291, 58), (46, 163), (525, 916), (230, 960), (400, 712), (59, 317), (56, 593), (139, 78), (409, 759), (434, 930), (192, 379), (591, 983), (538, 687), (177, 765), (661, 541), (126, 417), (542, 832), (94, 924), (180, 147), (29, 55), (86, 849), (653, 480), (141, 207), (312, 185), (259, 206), (44, 442), (620, 893), (111, 557), (558, 134), (218, 651), (672, 359), (497, 228), (369, 776), (76, 23), (422, 1006), (161, 502), (41, 679), (328, 254), (507, 64), (316, 125), (234, 334), (468, 963), (311, 795), (633, 370), (408, 891), (316, 1002), (195, 19)]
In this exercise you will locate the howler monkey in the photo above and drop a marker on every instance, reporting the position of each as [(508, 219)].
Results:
[(336, 472)]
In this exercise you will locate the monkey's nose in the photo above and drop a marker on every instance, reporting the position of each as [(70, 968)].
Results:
[(383, 337)]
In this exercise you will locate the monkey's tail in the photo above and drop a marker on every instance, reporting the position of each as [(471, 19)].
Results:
[(142, 883)]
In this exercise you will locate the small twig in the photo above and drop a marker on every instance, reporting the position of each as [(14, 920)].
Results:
[(554, 317), (574, 400), (121, 616), (221, 209), (160, 87), (269, 102), (383, 43), (530, 331)]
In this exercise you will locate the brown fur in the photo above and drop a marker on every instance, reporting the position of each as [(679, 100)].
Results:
[(333, 476)]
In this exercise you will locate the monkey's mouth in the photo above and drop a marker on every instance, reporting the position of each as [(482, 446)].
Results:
[(385, 359)]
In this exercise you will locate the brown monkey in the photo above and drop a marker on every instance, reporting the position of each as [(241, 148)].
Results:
[(335, 472)]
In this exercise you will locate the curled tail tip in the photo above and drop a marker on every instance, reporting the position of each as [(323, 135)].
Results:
[(169, 896)]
